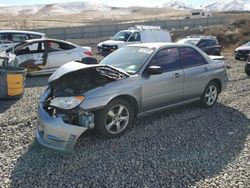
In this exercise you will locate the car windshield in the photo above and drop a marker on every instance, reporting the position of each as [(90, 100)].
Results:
[(247, 44), (129, 59), (122, 36), (188, 41)]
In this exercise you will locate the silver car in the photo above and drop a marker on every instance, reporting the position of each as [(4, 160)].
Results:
[(133, 81)]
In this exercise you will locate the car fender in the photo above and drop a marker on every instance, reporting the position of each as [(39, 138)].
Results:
[(100, 97)]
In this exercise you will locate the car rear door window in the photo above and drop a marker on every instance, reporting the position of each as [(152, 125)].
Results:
[(212, 42), (33, 36), (168, 59), (54, 46), (202, 44), (19, 37), (191, 57)]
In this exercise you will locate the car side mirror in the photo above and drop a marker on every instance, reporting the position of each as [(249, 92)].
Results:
[(154, 70), (89, 60)]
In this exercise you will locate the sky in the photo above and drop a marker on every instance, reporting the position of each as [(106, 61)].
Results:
[(125, 3)]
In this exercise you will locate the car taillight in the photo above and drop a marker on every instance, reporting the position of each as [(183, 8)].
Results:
[(88, 53)]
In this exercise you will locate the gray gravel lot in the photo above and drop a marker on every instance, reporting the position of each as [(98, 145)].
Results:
[(182, 147)]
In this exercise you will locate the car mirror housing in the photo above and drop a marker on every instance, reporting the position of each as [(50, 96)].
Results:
[(154, 70), (89, 60)]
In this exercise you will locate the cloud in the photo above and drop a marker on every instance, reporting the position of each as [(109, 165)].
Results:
[(3, 5)]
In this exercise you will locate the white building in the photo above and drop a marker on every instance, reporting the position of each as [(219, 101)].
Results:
[(199, 13)]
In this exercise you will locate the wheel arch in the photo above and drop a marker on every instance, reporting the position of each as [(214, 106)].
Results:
[(132, 101), (218, 82)]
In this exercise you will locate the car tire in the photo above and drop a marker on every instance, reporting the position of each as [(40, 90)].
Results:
[(210, 95), (114, 119), (237, 58), (247, 70)]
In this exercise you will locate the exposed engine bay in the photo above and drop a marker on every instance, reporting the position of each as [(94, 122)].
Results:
[(77, 83)]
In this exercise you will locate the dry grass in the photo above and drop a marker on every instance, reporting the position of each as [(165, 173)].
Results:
[(233, 34), (120, 15)]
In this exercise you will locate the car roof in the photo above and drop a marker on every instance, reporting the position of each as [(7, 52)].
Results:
[(160, 45), (49, 39), (129, 30), (21, 31)]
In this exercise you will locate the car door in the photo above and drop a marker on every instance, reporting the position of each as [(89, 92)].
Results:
[(196, 72), (60, 53), (31, 56), (166, 88)]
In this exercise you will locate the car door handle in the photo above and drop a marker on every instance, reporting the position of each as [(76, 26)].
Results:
[(206, 69), (177, 75)]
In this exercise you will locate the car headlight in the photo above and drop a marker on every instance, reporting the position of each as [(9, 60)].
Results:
[(67, 103)]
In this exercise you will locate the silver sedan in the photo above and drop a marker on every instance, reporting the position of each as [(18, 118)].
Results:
[(133, 81)]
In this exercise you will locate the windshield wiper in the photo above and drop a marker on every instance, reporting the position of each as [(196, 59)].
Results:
[(111, 73)]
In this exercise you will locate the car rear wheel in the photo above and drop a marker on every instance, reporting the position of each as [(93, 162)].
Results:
[(247, 69), (113, 120), (210, 95)]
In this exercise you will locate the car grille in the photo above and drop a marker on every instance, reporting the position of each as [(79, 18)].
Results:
[(243, 52), (109, 48)]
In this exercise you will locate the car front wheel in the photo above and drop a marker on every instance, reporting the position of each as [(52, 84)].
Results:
[(210, 95), (113, 120), (247, 69)]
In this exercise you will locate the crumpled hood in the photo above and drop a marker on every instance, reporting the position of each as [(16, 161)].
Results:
[(243, 48), (75, 66)]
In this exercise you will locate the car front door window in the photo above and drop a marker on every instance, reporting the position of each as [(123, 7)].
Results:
[(32, 56), (168, 59)]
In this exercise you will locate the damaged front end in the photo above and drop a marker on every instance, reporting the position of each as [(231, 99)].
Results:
[(61, 118)]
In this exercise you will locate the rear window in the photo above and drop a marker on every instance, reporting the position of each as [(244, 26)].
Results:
[(54, 46), (33, 36)]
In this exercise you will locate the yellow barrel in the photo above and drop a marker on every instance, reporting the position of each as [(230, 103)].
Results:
[(15, 84), (12, 82)]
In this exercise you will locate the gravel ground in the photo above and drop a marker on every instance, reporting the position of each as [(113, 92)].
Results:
[(183, 147)]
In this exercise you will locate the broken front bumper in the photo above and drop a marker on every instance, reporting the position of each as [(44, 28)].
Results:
[(54, 133)]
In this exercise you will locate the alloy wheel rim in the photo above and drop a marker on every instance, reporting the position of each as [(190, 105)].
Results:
[(117, 119), (211, 95)]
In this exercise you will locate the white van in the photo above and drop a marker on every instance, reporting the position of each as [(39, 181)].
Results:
[(137, 34), (9, 38)]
